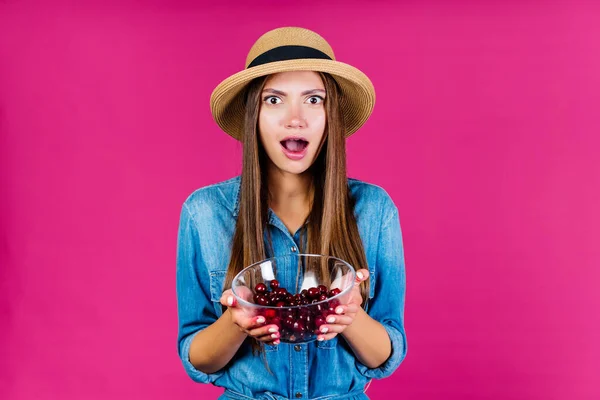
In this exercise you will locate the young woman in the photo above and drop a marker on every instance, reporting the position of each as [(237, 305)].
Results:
[(292, 108)]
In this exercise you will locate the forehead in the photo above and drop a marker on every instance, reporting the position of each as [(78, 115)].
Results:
[(304, 79)]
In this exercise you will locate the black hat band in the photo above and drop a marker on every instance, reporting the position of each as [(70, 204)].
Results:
[(283, 53)]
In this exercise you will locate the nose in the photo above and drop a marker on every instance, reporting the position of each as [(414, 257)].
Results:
[(295, 118)]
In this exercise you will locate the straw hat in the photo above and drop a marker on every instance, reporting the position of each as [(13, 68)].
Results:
[(292, 49)]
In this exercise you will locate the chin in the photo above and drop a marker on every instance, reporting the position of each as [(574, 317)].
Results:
[(297, 170), (293, 167)]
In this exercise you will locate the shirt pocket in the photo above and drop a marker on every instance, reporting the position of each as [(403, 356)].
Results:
[(217, 278)]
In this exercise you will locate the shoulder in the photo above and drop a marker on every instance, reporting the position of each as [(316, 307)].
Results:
[(219, 197), (371, 199), (365, 192)]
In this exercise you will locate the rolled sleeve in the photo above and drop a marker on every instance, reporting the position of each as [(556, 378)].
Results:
[(192, 372), (195, 310), (387, 304)]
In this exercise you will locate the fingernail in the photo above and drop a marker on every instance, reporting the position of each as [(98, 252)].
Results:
[(320, 338), (324, 329), (271, 330), (230, 301), (276, 342), (331, 320), (274, 336), (359, 275), (260, 320), (339, 310)]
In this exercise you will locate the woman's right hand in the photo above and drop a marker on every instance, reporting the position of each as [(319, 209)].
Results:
[(252, 325)]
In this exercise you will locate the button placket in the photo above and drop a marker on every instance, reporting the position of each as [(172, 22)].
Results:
[(299, 366)]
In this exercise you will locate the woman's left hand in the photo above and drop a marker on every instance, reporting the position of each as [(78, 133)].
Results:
[(344, 314)]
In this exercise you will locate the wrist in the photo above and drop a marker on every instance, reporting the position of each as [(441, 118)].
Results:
[(355, 325), (228, 316)]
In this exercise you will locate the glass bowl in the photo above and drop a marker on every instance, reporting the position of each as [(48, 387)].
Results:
[(296, 292)]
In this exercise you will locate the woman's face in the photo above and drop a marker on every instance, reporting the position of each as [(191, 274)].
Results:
[(291, 120)]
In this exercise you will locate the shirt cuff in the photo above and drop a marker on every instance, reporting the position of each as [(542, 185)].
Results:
[(195, 374), (399, 347)]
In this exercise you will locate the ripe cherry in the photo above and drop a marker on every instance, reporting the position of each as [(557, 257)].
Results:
[(262, 300), (261, 288)]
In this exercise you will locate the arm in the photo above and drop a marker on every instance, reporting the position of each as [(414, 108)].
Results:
[(387, 304), (216, 345), (213, 347), (198, 325), (207, 343), (368, 339), (377, 339)]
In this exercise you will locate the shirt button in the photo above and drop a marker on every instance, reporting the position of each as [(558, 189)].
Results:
[(294, 249), (298, 395), (297, 347)]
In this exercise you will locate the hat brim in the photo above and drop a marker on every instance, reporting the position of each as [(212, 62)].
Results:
[(356, 101)]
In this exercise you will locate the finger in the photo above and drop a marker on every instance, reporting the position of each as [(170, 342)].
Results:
[(264, 330), (339, 319), (253, 323), (227, 299), (271, 337), (244, 292), (351, 308), (327, 336), (361, 276), (332, 328)]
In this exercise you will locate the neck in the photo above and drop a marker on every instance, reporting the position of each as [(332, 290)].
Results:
[(288, 191)]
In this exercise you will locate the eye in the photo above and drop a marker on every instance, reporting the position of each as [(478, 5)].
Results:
[(315, 99), (272, 99)]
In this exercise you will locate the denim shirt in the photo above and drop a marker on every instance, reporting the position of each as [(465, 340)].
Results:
[(315, 370)]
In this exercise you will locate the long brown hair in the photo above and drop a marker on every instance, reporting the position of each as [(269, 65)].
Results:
[(331, 228)]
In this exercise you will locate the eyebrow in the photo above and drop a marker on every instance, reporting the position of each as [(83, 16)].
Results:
[(280, 93)]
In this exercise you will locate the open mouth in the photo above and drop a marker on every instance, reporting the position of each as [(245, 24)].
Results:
[(294, 145)]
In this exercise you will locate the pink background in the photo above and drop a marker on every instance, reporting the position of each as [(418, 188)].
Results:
[(485, 134)]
